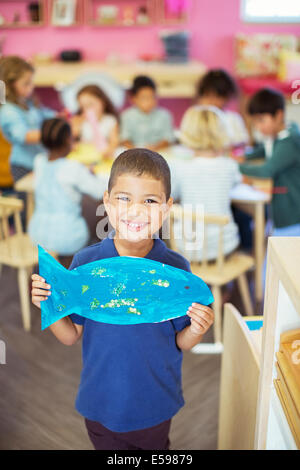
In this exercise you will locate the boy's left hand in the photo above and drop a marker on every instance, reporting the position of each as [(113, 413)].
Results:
[(202, 317)]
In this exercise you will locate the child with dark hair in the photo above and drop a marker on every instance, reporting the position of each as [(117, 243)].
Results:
[(131, 379), (217, 88), (145, 124), (57, 224), (267, 108)]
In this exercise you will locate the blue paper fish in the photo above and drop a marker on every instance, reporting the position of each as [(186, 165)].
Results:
[(122, 290)]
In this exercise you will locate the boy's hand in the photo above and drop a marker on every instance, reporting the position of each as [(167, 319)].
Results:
[(40, 290), (202, 318)]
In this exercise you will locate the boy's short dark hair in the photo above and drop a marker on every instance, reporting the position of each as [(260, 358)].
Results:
[(266, 101), (140, 161), (142, 81), (218, 82), (54, 133)]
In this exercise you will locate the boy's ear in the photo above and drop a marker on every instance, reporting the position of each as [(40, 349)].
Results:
[(168, 207), (106, 199)]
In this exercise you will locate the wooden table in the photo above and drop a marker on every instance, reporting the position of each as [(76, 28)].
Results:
[(252, 201)]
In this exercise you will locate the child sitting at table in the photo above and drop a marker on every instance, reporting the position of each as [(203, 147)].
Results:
[(97, 121), (21, 116), (217, 88), (57, 224), (208, 178), (145, 124), (267, 108)]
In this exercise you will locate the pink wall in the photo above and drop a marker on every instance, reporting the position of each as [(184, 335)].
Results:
[(212, 24)]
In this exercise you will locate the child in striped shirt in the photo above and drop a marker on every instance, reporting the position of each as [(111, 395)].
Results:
[(208, 178)]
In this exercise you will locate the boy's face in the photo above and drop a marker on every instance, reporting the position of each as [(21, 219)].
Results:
[(136, 206), (268, 124), (145, 99)]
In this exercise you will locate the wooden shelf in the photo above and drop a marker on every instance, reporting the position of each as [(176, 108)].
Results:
[(281, 319), (132, 10), (173, 80), (22, 24)]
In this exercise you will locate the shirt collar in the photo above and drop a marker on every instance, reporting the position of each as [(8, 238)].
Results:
[(156, 251)]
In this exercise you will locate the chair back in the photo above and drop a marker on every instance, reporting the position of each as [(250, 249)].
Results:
[(178, 213), (11, 206)]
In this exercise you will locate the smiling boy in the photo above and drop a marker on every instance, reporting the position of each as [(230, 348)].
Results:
[(131, 379)]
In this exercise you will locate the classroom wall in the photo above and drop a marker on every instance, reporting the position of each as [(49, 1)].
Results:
[(212, 24)]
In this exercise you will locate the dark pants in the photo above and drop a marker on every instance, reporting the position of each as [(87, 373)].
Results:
[(154, 438)]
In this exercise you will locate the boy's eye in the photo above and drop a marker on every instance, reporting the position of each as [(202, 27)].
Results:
[(123, 198), (151, 201)]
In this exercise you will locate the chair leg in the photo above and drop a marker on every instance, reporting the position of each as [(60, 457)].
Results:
[(24, 297), (245, 294), (217, 308)]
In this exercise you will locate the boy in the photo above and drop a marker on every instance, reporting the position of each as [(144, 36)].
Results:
[(218, 88), (283, 166), (145, 124), (131, 379)]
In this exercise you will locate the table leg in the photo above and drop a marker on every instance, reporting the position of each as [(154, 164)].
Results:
[(259, 250), (30, 207)]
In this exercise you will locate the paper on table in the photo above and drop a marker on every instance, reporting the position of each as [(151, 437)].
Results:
[(120, 290)]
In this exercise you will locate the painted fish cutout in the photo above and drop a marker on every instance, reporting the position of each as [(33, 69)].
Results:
[(122, 290)]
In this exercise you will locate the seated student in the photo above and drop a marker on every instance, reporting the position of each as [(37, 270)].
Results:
[(208, 178), (217, 88), (267, 108), (57, 224), (145, 124), (130, 384), (97, 121)]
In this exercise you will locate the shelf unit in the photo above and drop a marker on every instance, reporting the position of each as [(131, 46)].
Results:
[(282, 314), (251, 414), (56, 13), (126, 13), (9, 8)]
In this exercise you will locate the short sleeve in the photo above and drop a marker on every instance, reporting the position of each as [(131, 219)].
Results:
[(78, 176), (175, 180), (12, 125), (74, 317), (181, 322), (47, 113), (167, 127), (125, 127)]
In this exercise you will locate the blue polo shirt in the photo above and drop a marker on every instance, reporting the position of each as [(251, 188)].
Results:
[(131, 375)]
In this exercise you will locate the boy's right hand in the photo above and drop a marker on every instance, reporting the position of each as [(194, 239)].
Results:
[(40, 290)]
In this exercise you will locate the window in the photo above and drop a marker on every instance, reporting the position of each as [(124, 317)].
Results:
[(270, 11)]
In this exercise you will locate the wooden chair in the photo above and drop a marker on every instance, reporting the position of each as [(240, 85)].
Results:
[(217, 273), (17, 251)]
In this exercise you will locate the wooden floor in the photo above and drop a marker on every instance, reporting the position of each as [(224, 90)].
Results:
[(38, 386)]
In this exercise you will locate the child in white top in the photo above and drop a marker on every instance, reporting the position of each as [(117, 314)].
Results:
[(206, 179), (217, 88), (57, 223), (97, 121)]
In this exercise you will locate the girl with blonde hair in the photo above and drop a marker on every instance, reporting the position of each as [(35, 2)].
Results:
[(207, 179)]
